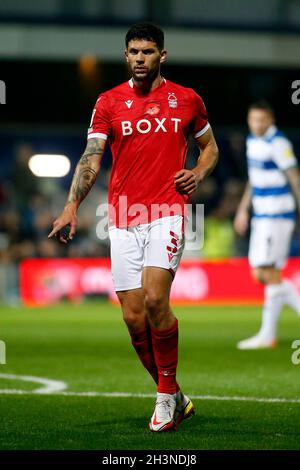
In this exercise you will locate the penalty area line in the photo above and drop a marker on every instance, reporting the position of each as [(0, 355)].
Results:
[(48, 385)]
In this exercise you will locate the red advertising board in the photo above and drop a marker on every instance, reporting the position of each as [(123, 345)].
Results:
[(45, 281)]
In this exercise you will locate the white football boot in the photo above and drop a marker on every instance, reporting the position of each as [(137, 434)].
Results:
[(257, 342), (163, 417), (184, 408)]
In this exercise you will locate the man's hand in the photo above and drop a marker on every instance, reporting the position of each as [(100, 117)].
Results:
[(241, 222), (67, 218), (185, 182), (84, 177)]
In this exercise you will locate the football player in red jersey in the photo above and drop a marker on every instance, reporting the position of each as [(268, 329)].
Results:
[(147, 122)]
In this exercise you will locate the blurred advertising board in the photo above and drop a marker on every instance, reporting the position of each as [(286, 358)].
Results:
[(226, 281)]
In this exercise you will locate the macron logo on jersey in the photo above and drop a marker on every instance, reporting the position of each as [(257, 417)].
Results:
[(143, 126), (129, 103)]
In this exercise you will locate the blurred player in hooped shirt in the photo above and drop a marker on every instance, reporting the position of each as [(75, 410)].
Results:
[(273, 191), (146, 121)]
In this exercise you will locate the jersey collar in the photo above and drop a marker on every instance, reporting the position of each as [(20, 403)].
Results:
[(131, 82), (270, 132)]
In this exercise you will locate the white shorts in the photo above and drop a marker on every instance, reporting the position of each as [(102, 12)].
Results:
[(159, 243), (270, 241)]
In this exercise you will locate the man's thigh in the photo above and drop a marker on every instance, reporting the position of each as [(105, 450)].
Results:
[(132, 300), (270, 242), (158, 244), (165, 243), (127, 258), (156, 283)]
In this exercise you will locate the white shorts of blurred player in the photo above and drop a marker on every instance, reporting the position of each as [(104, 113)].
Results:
[(270, 241), (159, 243)]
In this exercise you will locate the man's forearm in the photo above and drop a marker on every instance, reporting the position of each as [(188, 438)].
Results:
[(86, 172), (206, 162), (245, 203), (83, 179), (293, 176)]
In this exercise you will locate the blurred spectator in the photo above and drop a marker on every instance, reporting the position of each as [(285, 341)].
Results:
[(24, 183), (48, 248), (219, 235), (42, 220)]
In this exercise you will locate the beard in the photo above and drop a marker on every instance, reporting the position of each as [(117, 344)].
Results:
[(145, 75)]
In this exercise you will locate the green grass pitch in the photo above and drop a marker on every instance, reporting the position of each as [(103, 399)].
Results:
[(87, 347)]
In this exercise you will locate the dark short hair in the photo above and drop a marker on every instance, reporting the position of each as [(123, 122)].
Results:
[(147, 31), (263, 105)]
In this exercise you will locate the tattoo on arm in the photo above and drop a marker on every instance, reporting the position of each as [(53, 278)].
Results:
[(83, 183), (93, 148), (86, 171)]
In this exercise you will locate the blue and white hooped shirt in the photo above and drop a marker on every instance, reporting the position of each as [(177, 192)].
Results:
[(268, 156)]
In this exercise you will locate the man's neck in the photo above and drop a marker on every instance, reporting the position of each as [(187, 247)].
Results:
[(145, 86)]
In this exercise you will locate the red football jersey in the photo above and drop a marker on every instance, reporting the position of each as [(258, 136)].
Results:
[(148, 137)]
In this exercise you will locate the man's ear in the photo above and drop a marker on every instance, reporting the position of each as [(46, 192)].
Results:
[(126, 55), (163, 56)]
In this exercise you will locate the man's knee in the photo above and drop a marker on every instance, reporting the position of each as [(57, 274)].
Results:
[(157, 308), (155, 302), (134, 320), (133, 311), (258, 275), (266, 275)]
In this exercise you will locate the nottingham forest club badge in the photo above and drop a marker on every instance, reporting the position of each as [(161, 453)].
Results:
[(172, 100)]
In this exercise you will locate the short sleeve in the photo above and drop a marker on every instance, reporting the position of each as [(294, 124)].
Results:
[(283, 153), (100, 125), (200, 122)]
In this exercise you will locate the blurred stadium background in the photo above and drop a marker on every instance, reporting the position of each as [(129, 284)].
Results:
[(56, 56)]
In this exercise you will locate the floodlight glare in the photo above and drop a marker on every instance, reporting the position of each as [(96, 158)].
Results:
[(54, 166)]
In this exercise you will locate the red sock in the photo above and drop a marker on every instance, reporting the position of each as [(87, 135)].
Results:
[(165, 348), (141, 341)]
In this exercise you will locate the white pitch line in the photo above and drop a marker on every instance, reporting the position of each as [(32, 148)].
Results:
[(58, 388), (148, 395), (193, 397), (49, 385)]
